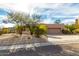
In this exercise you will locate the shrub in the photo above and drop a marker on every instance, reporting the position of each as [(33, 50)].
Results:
[(70, 28), (0, 32), (65, 31), (18, 29), (76, 31), (76, 25), (32, 29), (40, 30), (23, 28), (5, 30)]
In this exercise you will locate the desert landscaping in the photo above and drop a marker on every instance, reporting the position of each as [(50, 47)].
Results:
[(55, 45), (42, 31)]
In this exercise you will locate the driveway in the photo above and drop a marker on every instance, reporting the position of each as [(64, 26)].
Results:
[(63, 39), (65, 45)]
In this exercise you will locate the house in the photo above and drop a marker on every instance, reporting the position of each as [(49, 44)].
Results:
[(55, 28)]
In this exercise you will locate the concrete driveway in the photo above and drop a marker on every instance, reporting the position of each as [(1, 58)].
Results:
[(63, 39)]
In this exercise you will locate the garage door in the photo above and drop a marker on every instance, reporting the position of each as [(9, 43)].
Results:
[(54, 31)]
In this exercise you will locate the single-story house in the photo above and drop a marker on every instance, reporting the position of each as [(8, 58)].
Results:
[(55, 28)]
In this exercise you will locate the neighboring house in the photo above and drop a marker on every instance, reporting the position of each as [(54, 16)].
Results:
[(55, 28)]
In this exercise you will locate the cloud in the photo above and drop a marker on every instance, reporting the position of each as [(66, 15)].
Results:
[(59, 9), (63, 11), (48, 11), (17, 5), (20, 5)]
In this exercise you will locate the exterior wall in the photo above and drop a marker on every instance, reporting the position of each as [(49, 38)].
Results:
[(54, 31), (55, 28)]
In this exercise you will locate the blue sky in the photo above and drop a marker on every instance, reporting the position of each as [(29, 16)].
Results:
[(67, 12)]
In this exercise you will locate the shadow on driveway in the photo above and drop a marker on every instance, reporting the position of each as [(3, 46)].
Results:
[(39, 51)]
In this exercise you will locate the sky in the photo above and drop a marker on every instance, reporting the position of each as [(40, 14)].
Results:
[(66, 12)]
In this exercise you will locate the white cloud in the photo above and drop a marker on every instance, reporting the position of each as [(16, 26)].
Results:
[(69, 21), (27, 6), (3, 17), (18, 5)]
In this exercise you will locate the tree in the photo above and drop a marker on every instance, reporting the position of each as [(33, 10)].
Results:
[(24, 20), (57, 21), (34, 16), (32, 24), (20, 19)]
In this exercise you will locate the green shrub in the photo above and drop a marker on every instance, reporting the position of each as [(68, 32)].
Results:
[(37, 29), (76, 31), (32, 28), (65, 31), (70, 28), (0, 32), (23, 28), (5, 30), (40, 30), (19, 29)]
